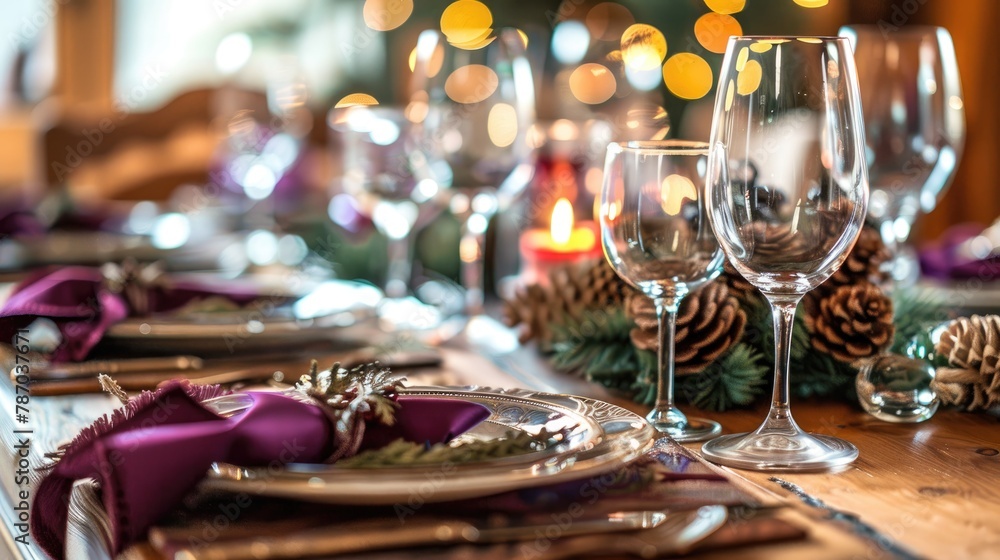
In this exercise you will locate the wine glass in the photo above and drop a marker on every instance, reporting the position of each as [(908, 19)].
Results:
[(787, 193), (388, 182), (473, 107), (915, 126), (656, 236)]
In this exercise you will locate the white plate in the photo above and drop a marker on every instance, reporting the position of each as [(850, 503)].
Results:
[(602, 437)]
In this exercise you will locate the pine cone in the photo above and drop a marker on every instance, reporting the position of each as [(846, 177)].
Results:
[(709, 322), (850, 322), (739, 287), (972, 346), (572, 290), (865, 262)]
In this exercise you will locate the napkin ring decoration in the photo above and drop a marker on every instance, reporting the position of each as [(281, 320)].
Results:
[(350, 398), (133, 281)]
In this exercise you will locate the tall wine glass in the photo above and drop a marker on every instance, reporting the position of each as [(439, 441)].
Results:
[(787, 193), (915, 126), (656, 236), (474, 106)]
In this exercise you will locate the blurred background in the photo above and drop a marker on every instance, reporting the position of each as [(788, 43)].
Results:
[(126, 100)]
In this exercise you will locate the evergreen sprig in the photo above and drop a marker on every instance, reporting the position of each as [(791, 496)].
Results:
[(734, 380), (914, 313), (402, 453)]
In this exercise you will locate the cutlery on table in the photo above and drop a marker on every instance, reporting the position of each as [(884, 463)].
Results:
[(662, 530), (220, 371)]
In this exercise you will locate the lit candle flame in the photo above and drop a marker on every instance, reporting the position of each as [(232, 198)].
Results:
[(561, 227)]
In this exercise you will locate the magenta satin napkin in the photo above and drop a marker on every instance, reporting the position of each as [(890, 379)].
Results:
[(147, 464), (76, 299)]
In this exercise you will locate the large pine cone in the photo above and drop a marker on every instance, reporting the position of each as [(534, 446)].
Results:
[(709, 322), (850, 322), (739, 286), (866, 262), (972, 346), (572, 290)]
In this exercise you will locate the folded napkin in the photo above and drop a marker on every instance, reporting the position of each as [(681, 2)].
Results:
[(146, 463), (84, 302)]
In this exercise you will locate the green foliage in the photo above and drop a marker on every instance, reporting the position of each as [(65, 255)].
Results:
[(408, 453), (734, 380), (914, 314), (597, 346)]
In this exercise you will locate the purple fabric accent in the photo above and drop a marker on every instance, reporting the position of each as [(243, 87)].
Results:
[(147, 464), (83, 309), (943, 261), (17, 222)]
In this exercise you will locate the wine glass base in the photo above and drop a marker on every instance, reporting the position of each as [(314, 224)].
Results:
[(770, 451), (694, 429)]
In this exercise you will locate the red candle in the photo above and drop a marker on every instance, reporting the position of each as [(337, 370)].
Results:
[(564, 242)]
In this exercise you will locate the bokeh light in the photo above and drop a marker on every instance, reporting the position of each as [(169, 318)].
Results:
[(466, 21), (570, 41), (713, 31), (592, 83), (730, 90), (471, 83), (687, 76), (748, 79), (813, 40), (383, 15), (811, 3), (356, 100), (643, 80), (233, 52), (726, 6), (643, 46), (607, 21), (761, 46), (741, 59), (501, 124), (674, 192)]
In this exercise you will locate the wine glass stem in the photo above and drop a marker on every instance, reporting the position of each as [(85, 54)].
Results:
[(783, 313), (666, 315), (400, 253), (472, 248)]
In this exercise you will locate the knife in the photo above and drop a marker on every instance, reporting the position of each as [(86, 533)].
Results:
[(117, 367), (366, 537)]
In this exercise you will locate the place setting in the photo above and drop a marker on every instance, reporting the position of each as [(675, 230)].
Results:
[(386, 279)]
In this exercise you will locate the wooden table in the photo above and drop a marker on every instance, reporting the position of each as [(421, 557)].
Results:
[(931, 488)]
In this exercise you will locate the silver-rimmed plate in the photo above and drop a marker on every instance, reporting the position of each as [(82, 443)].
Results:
[(601, 437)]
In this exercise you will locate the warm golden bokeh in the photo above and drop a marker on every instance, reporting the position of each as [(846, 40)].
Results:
[(356, 100), (713, 31), (384, 15), (607, 21), (748, 80), (592, 83), (687, 76), (466, 22), (471, 83), (501, 125), (812, 3), (726, 6), (643, 46)]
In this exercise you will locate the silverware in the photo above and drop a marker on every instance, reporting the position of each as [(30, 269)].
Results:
[(234, 371), (680, 527), (117, 367)]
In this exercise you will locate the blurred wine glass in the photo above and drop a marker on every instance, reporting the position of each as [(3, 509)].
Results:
[(473, 106), (914, 126), (787, 194), (389, 183), (656, 236)]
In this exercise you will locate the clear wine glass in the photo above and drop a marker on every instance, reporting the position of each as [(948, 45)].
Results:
[(656, 236), (915, 126), (787, 193), (473, 107), (390, 184)]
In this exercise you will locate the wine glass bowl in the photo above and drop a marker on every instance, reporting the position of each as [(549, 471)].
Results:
[(473, 110), (657, 238), (915, 125), (787, 195)]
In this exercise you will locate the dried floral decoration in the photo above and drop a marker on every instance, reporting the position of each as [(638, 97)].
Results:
[(350, 398)]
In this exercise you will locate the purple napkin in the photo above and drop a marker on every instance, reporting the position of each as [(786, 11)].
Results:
[(18, 218), (79, 302), (944, 261), (145, 465)]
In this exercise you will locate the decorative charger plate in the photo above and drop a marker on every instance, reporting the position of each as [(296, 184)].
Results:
[(600, 437)]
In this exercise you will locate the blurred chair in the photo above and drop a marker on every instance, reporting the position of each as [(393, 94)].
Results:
[(132, 156)]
